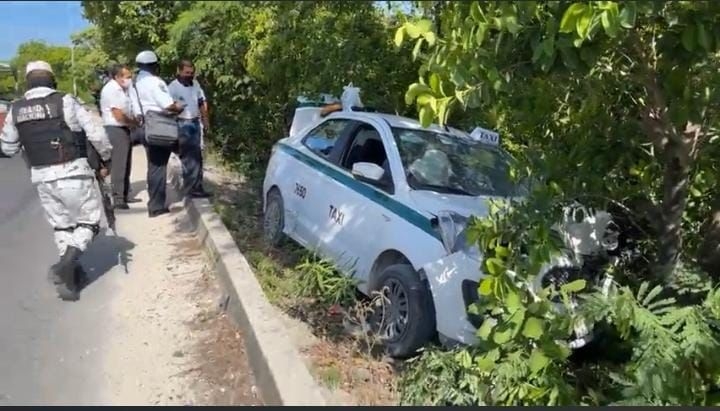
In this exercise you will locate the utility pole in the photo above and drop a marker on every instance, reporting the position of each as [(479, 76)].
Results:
[(72, 65)]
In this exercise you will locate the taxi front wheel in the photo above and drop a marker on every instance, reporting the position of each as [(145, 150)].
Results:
[(274, 218), (406, 321)]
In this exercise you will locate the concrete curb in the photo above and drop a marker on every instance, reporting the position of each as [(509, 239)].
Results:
[(280, 373)]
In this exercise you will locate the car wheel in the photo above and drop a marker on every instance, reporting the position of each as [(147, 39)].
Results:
[(406, 321), (274, 218)]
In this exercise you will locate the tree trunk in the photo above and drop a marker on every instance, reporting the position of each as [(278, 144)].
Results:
[(709, 252), (680, 151), (675, 191)]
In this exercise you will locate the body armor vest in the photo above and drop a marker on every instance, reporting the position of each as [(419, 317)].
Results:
[(44, 135)]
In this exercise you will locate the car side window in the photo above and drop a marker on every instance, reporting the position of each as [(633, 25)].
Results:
[(366, 146), (322, 138)]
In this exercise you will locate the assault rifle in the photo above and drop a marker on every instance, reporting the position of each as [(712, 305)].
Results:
[(106, 194)]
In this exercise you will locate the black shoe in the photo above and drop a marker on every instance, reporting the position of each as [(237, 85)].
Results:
[(67, 289), (80, 277), (200, 194), (133, 200), (156, 213), (121, 206)]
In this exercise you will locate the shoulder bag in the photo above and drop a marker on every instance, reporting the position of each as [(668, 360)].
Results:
[(161, 129)]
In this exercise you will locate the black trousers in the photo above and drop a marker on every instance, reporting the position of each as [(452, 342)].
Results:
[(121, 162), (157, 176)]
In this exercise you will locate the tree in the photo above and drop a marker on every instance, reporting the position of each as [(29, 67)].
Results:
[(613, 104), (651, 66), (57, 56), (128, 27)]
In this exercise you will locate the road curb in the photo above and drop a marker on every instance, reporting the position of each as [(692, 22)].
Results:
[(280, 373)]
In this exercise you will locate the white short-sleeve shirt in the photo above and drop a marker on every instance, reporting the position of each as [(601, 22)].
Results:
[(190, 95), (112, 96), (153, 93)]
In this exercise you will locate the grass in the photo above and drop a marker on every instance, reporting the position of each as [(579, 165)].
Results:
[(309, 289)]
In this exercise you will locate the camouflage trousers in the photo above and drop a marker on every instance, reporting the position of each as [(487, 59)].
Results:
[(73, 207)]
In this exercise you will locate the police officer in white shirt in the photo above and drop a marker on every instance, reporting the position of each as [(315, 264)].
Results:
[(117, 116), (153, 95), (186, 89)]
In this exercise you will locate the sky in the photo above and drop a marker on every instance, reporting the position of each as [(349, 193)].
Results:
[(50, 21)]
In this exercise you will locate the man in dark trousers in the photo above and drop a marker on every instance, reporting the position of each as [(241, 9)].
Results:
[(192, 120), (151, 94), (116, 112)]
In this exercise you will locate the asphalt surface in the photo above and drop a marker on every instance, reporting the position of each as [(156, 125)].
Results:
[(49, 349)]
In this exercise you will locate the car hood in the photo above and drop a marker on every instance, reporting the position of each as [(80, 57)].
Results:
[(432, 202)]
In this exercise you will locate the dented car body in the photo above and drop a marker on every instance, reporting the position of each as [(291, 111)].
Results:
[(387, 200)]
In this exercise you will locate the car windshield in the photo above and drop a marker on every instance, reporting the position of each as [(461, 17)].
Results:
[(448, 164)]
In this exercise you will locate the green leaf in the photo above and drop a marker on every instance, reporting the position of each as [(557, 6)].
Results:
[(434, 82), (486, 286), (495, 266), (702, 37), (480, 34), (538, 361), (609, 23), (486, 328), (583, 23), (430, 38), (502, 335), (418, 28), (399, 36), (417, 48), (486, 362), (533, 328), (573, 287), (476, 12), (501, 251), (414, 91), (426, 116), (695, 192), (513, 301), (628, 15), (569, 19), (688, 38)]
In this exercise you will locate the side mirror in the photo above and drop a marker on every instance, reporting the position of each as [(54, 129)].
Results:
[(368, 172)]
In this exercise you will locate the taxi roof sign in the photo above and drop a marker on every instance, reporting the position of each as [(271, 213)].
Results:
[(485, 136)]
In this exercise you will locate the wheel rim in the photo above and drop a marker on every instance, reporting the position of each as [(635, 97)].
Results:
[(396, 315), (273, 219)]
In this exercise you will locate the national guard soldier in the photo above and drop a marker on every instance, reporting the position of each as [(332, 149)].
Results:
[(52, 129)]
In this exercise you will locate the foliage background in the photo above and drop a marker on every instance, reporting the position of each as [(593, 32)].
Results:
[(611, 103)]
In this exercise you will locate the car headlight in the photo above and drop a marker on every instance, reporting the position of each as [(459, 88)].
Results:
[(453, 233)]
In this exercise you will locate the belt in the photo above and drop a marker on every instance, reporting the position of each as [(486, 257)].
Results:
[(122, 127)]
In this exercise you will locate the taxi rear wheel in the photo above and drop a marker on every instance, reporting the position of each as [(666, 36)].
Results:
[(406, 321), (274, 218)]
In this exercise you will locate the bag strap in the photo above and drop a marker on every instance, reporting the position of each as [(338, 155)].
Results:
[(137, 94)]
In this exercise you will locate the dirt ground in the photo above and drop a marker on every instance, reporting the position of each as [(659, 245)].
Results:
[(173, 343), (348, 372)]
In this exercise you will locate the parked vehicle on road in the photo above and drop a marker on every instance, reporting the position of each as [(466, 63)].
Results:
[(387, 201)]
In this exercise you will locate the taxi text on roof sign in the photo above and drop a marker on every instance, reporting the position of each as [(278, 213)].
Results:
[(485, 136)]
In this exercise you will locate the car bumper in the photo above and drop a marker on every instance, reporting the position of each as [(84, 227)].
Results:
[(454, 282)]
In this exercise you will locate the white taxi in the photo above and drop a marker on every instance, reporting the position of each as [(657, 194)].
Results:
[(387, 200)]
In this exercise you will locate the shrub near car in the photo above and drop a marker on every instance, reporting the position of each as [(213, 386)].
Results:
[(387, 201)]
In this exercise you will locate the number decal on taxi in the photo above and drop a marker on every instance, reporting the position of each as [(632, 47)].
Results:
[(336, 215), (300, 190)]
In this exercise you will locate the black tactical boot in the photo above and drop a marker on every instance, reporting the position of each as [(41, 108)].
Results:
[(66, 289), (81, 277)]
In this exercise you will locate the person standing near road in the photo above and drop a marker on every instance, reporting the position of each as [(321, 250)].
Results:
[(151, 94), (192, 121), (53, 128), (116, 111)]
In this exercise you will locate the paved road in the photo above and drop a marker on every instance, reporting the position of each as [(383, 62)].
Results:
[(48, 351)]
